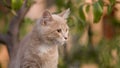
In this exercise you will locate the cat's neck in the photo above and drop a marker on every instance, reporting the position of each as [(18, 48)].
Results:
[(40, 37), (40, 46), (37, 40)]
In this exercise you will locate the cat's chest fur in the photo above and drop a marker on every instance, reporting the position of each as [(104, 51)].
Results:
[(49, 56), (44, 55)]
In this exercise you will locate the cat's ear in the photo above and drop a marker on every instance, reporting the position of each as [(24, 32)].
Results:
[(47, 15), (65, 13)]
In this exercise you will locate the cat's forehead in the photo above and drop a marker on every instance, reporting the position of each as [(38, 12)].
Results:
[(59, 19), (60, 22)]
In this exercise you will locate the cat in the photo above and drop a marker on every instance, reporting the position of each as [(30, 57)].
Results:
[(39, 49)]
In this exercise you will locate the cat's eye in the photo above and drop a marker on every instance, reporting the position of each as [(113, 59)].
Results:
[(59, 30)]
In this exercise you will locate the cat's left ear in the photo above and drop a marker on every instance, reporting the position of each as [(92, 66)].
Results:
[(65, 14), (47, 15)]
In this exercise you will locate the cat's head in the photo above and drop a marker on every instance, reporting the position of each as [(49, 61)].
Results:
[(53, 28)]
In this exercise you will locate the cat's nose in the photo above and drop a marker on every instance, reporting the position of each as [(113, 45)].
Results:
[(65, 38)]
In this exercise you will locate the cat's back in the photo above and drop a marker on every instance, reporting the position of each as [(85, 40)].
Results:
[(15, 63)]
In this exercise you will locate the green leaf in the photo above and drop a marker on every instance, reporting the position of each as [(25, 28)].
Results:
[(81, 14), (112, 2), (16, 4), (101, 3), (87, 8), (109, 9), (97, 10)]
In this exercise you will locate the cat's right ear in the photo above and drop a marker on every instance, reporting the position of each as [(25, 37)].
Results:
[(46, 16), (65, 13)]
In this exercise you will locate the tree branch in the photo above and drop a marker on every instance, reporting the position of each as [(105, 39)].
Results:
[(11, 39), (17, 20)]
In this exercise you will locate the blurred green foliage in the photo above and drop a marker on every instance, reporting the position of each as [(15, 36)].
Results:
[(97, 11), (26, 23), (16, 4), (101, 54)]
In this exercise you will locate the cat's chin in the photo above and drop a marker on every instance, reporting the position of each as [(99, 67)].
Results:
[(59, 43)]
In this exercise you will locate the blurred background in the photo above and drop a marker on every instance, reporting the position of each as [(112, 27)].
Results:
[(94, 38)]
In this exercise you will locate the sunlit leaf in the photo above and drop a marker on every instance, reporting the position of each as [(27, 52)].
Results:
[(97, 11), (81, 14), (16, 4), (87, 8)]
